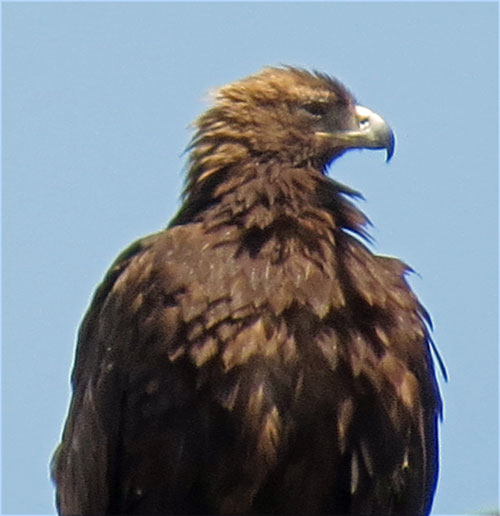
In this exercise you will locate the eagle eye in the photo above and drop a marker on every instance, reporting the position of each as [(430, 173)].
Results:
[(316, 108)]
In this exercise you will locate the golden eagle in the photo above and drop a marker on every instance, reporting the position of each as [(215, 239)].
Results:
[(255, 357)]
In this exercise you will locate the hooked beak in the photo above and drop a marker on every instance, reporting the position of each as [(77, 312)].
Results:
[(371, 132)]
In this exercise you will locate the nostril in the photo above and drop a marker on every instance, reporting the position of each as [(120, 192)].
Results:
[(364, 123)]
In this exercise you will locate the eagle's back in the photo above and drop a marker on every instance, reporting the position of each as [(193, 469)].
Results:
[(263, 371)]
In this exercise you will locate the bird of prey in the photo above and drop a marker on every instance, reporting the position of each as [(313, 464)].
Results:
[(256, 357)]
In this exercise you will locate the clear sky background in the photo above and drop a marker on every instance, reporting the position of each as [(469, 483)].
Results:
[(97, 99)]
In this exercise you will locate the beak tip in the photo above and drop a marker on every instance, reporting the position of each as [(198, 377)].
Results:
[(390, 147)]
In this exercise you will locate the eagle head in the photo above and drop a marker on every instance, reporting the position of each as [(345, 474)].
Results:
[(288, 115)]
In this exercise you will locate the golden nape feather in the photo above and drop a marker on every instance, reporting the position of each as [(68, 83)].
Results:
[(256, 357)]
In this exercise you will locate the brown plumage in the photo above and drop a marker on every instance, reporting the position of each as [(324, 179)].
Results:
[(256, 357)]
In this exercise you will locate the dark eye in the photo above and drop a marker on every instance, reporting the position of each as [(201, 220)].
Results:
[(316, 108)]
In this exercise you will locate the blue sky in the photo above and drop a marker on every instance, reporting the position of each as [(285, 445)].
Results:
[(97, 99)]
